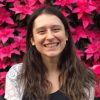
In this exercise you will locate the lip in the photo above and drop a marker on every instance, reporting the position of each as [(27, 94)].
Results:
[(53, 43)]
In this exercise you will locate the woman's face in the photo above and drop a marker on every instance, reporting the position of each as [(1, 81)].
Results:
[(49, 35)]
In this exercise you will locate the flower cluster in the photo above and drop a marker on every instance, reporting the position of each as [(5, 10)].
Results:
[(83, 17)]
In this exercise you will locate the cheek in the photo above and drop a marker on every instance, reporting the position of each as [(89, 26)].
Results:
[(66, 38), (63, 38), (38, 41)]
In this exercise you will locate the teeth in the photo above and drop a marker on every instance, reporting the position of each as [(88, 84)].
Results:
[(51, 45)]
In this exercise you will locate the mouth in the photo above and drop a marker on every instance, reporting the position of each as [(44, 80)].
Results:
[(51, 45)]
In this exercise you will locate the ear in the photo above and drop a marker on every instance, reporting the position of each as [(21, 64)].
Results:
[(66, 38), (32, 41)]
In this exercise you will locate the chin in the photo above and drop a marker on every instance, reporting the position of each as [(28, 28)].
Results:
[(52, 55)]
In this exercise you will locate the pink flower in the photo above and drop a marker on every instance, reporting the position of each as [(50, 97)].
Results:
[(84, 9), (10, 0), (1, 45), (2, 82), (86, 20), (1, 0), (8, 51), (65, 13), (42, 1), (20, 44), (5, 16), (83, 6), (96, 69), (31, 2), (91, 35), (23, 10), (1, 5), (97, 33), (93, 50), (96, 63), (5, 63), (6, 33), (1, 62), (97, 88), (64, 3), (96, 3), (22, 31), (2, 75), (79, 33)]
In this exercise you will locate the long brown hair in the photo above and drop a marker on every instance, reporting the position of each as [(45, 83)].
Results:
[(75, 77)]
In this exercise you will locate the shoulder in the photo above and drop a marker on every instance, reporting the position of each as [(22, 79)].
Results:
[(91, 92), (13, 90), (14, 71)]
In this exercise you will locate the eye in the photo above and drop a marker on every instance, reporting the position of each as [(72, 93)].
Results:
[(41, 32), (56, 29)]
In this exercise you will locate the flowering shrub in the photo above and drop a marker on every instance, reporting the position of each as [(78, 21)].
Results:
[(83, 17), (96, 69)]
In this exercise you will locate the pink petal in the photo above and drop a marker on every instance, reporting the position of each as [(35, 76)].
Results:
[(2, 91), (88, 11), (89, 55), (1, 0), (65, 14), (92, 8), (73, 1), (97, 90), (76, 10), (42, 1), (16, 52), (89, 49), (4, 39), (96, 69), (85, 22), (9, 20), (75, 38), (96, 57), (3, 75), (10, 0), (70, 7), (31, 2), (22, 16), (16, 3), (80, 15), (57, 3), (15, 10), (1, 5)]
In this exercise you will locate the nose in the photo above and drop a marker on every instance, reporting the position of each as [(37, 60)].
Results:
[(49, 34)]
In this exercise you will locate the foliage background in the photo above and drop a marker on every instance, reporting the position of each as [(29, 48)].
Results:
[(83, 17)]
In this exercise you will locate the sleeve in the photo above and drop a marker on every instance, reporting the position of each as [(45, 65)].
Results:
[(92, 93), (11, 86)]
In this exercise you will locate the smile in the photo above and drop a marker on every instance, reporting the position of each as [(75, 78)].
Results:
[(51, 45)]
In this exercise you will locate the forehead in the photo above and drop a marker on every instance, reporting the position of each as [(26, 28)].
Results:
[(46, 20)]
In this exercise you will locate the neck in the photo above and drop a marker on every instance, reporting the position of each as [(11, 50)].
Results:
[(51, 64)]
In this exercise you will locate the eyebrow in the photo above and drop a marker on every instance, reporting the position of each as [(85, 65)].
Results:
[(44, 27)]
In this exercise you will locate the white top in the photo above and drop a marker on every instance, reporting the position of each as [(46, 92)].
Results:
[(14, 91)]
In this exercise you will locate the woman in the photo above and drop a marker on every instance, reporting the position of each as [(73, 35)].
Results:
[(50, 69)]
